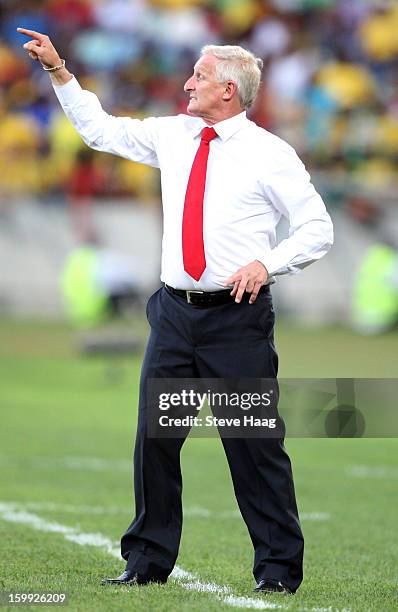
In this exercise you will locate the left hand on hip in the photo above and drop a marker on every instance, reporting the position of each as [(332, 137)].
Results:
[(249, 278)]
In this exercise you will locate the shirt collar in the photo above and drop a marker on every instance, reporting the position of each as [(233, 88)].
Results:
[(225, 129)]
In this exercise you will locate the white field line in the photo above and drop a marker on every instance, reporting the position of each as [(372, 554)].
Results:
[(193, 511), (9, 513), (99, 464), (328, 609), (373, 471), (14, 513), (185, 579), (91, 464)]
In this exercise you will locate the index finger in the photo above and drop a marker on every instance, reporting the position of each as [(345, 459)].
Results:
[(31, 33)]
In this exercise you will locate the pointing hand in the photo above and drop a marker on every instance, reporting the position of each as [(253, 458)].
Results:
[(41, 48)]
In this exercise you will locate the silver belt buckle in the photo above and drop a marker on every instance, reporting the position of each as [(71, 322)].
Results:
[(188, 294)]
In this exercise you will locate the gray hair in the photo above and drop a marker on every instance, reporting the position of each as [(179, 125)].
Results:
[(238, 65)]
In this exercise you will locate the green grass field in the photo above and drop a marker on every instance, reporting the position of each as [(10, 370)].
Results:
[(66, 440)]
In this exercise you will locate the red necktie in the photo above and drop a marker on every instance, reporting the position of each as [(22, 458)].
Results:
[(193, 250)]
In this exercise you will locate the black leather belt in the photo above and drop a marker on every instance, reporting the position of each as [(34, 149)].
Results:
[(209, 298)]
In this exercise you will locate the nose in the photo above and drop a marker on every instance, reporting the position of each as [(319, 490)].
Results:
[(189, 84)]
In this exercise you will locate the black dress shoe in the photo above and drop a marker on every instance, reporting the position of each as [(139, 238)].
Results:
[(130, 577), (272, 586)]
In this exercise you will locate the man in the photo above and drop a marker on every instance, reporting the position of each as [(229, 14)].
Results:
[(224, 189)]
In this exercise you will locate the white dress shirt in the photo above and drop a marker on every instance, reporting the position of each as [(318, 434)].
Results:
[(253, 177)]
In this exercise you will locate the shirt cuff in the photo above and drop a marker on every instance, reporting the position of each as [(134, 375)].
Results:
[(273, 264), (69, 93)]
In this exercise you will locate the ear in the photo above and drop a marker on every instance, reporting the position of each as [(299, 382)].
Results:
[(230, 89)]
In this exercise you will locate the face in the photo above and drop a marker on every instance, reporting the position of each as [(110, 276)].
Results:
[(205, 92)]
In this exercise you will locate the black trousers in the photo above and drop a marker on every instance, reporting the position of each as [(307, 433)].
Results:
[(227, 341)]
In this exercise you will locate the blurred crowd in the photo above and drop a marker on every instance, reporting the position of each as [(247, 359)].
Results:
[(329, 84)]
